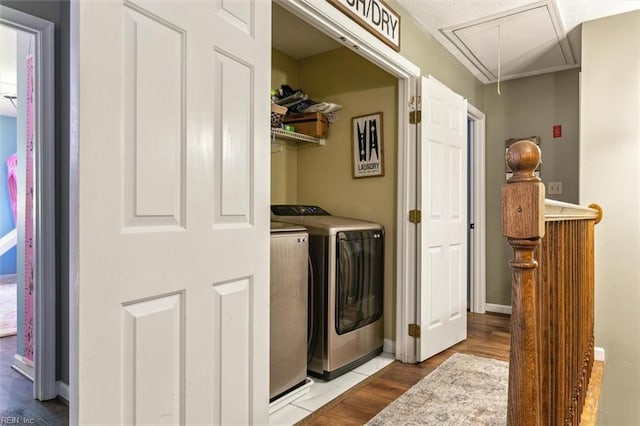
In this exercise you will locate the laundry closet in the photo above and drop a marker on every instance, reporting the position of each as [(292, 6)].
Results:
[(321, 173)]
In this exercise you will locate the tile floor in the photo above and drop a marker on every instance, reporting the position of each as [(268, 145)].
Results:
[(322, 392)]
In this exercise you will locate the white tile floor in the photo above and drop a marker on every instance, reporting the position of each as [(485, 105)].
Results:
[(322, 392)]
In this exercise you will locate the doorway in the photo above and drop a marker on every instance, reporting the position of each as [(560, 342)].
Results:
[(336, 26), (477, 221), (302, 172), (34, 218), (17, 162)]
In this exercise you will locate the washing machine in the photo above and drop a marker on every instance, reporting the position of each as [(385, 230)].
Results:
[(345, 288)]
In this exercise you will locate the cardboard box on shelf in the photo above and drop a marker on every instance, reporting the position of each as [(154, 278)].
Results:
[(277, 113), (311, 124)]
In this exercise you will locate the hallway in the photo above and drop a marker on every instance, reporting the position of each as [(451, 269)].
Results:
[(488, 336)]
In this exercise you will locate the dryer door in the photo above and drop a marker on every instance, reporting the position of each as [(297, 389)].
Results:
[(359, 279)]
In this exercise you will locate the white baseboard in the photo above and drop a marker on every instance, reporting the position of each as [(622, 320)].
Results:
[(62, 390), (23, 366), (599, 354), (500, 309), (389, 346)]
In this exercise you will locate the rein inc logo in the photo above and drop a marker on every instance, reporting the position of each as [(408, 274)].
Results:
[(375, 16), (14, 420)]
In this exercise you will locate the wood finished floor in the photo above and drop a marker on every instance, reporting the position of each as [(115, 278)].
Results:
[(17, 405), (487, 336)]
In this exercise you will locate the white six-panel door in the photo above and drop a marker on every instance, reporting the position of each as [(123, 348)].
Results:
[(173, 212), (442, 235)]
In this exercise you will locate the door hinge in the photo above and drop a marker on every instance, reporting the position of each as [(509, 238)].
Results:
[(414, 330), (415, 117), (415, 216)]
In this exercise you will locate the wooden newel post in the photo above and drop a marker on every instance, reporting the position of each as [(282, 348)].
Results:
[(523, 226)]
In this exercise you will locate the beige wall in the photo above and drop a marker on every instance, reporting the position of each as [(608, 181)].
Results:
[(325, 173), (284, 70), (322, 174), (528, 107), (418, 46), (284, 157), (610, 160)]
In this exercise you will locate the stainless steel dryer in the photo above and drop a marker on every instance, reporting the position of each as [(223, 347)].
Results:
[(346, 287)]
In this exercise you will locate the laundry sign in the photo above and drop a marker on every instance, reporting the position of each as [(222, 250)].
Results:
[(374, 16), (367, 151)]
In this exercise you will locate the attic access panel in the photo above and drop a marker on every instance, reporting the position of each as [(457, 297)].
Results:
[(525, 41)]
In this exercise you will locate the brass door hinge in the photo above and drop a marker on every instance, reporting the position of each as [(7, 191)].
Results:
[(415, 117), (415, 216), (414, 330)]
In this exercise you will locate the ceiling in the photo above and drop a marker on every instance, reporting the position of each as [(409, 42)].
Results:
[(286, 35), (509, 38), (520, 37), (505, 38)]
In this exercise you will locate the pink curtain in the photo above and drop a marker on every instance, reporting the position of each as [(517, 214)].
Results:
[(12, 182)]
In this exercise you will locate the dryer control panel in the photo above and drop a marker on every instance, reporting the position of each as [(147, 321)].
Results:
[(297, 210)]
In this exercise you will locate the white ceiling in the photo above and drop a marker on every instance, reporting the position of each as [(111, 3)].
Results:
[(535, 36), (512, 44)]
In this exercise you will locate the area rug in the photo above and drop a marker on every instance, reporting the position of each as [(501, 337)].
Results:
[(463, 390), (8, 309)]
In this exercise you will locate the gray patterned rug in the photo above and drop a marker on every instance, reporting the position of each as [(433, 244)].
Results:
[(463, 390)]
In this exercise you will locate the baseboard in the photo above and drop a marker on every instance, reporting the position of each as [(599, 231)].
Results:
[(598, 354), (500, 309), (389, 346), (63, 390), (23, 366)]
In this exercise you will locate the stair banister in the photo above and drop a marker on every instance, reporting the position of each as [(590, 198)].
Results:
[(552, 296)]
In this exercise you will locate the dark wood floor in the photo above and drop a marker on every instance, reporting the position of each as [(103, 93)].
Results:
[(487, 336), (17, 405)]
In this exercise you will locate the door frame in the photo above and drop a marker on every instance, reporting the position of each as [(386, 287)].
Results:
[(477, 269), (334, 23), (74, 208), (44, 380), (337, 25)]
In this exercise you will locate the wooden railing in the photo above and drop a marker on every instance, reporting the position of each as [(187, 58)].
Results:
[(552, 297)]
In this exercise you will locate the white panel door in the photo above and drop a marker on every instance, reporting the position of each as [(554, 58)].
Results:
[(173, 212), (442, 235)]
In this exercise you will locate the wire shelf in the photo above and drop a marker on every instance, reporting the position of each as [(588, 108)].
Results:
[(293, 136)]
